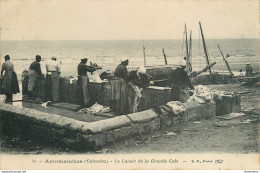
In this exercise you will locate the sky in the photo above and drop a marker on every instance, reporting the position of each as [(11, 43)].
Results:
[(127, 19)]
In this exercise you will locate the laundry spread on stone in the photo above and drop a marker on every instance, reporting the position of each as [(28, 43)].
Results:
[(96, 108), (176, 107), (201, 94)]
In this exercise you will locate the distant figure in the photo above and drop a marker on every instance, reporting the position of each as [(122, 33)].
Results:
[(52, 90), (241, 73), (143, 84), (121, 70), (180, 84), (82, 84), (9, 83), (133, 91), (118, 101), (249, 70), (35, 73)]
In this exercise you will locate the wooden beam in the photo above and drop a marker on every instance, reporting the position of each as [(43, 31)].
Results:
[(205, 48), (225, 62), (165, 58)]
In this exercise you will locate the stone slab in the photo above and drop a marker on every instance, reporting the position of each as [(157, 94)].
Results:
[(47, 117), (142, 116)]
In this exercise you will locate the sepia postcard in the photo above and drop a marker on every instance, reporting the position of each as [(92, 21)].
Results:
[(129, 85)]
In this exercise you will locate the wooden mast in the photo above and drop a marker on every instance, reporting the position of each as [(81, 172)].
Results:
[(144, 55), (205, 48), (186, 42), (165, 58), (190, 56), (226, 62)]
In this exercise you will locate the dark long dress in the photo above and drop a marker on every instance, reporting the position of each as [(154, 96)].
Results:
[(180, 84), (118, 102), (82, 84), (9, 83)]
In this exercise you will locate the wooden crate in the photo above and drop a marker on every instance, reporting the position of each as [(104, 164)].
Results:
[(228, 104)]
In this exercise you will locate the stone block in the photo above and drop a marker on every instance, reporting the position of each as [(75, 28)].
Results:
[(142, 116), (92, 141), (190, 104), (148, 127), (199, 111), (100, 139), (124, 132), (110, 136), (108, 124)]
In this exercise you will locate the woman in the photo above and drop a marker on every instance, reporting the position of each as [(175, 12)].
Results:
[(9, 82), (133, 92)]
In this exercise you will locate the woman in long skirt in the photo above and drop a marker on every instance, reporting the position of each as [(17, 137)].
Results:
[(9, 79)]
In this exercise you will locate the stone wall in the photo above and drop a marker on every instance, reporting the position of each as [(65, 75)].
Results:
[(62, 131)]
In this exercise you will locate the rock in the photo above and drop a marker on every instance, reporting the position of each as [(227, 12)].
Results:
[(170, 134)]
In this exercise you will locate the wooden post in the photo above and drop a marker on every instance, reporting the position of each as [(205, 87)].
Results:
[(226, 62), (205, 48), (165, 58)]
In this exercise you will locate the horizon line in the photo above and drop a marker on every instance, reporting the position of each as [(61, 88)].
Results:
[(134, 39)]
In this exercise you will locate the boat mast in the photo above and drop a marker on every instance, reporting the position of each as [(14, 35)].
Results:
[(186, 42), (226, 62), (165, 58), (190, 56), (205, 48), (144, 55)]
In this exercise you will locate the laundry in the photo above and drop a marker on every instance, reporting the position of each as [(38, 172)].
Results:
[(201, 94), (94, 77), (46, 104), (96, 108), (176, 107)]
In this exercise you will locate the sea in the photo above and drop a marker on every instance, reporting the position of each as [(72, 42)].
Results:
[(107, 53)]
